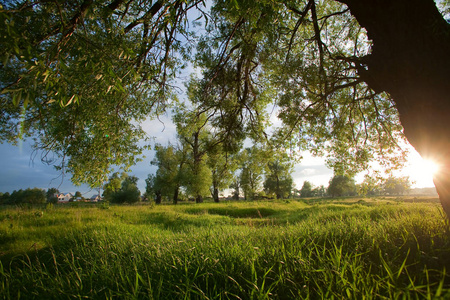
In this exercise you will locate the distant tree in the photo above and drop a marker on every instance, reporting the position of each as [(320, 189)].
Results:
[(396, 185), (151, 191), (32, 196), (253, 163), (222, 165), (78, 195), (113, 185), (52, 195), (171, 174), (307, 189), (15, 197), (199, 178), (208, 146), (121, 188), (278, 179), (236, 186), (194, 133), (5, 198), (128, 192), (341, 185), (319, 191), (370, 186), (296, 193)]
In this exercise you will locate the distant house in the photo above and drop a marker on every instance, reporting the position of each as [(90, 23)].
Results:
[(62, 197), (96, 198)]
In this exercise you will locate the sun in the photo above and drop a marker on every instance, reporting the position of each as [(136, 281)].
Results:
[(421, 170), (429, 167)]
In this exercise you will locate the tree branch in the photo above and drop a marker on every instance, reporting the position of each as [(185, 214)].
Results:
[(148, 15), (297, 25)]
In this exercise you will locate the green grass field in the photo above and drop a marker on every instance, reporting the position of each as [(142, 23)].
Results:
[(314, 249)]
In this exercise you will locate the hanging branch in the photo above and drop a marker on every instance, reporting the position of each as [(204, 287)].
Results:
[(299, 22)]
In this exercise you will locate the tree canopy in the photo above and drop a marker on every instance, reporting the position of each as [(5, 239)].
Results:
[(341, 185), (348, 78), (122, 188), (278, 180)]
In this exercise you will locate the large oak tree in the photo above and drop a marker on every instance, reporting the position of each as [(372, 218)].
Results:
[(410, 60)]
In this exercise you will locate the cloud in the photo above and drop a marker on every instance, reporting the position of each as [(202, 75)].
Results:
[(308, 172), (162, 129), (311, 169)]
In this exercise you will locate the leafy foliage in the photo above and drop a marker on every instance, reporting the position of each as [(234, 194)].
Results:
[(122, 188), (171, 173), (278, 178), (222, 165), (80, 76), (310, 54), (51, 195), (128, 192), (113, 185), (396, 185), (196, 138), (30, 195), (4, 198), (341, 185), (78, 195), (253, 164), (307, 189)]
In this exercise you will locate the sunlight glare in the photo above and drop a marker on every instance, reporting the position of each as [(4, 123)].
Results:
[(420, 170), (430, 167)]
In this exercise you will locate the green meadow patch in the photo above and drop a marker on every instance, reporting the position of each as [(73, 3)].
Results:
[(311, 249)]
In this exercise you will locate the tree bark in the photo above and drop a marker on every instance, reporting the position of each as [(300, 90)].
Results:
[(158, 198), (175, 195), (410, 59), (278, 193), (216, 195)]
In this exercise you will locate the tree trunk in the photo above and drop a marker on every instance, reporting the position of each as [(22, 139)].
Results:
[(158, 198), (278, 193), (216, 195), (236, 190), (175, 195), (410, 60), (199, 199)]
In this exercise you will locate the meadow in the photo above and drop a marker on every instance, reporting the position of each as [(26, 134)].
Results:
[(356, 248)]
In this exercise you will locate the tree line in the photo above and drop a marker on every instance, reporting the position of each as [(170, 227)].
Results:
[(343, 185), (33, 196), (122, 188), (251, 173)]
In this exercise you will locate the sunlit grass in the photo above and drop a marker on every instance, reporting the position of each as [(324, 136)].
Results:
[(346, 248)]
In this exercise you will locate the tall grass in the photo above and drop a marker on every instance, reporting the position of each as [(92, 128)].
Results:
[(368, 249)]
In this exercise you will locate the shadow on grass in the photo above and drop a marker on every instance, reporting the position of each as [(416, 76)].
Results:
[(261, 212)]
